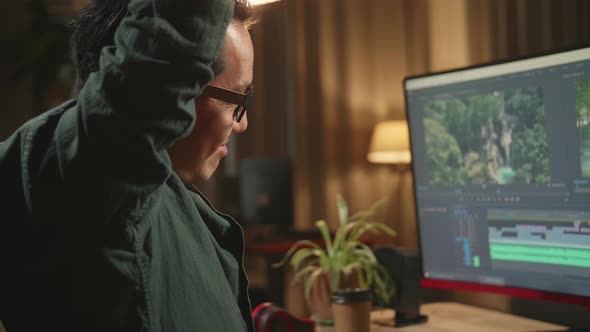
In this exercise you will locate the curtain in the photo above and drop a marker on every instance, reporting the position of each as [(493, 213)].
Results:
[(326, 71)]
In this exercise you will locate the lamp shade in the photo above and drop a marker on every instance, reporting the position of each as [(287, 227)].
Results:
[(390, 143)]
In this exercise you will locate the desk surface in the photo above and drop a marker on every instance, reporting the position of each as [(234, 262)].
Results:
[(457, 317)]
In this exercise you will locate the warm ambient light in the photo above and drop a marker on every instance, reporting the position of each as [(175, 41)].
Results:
[(262, 2), (390, 143)]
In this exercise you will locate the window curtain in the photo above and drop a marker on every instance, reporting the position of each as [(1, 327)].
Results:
[(326, 71)]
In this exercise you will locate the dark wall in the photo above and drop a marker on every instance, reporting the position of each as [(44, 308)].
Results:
[(15, 91)]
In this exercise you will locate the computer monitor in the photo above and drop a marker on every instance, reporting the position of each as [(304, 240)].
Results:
[(501, 162)]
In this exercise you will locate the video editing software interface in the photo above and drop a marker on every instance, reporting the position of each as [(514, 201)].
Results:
[(501, 160)]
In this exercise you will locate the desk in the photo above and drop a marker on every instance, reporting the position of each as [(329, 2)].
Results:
[(457, 317)]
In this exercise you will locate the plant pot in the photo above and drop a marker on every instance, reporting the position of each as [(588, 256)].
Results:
[(352, 310), (321, 296)]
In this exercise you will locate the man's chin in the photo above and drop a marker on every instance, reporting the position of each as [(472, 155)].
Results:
[(208, 171), (202, 178)]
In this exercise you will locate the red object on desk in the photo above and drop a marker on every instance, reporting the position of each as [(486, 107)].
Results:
[(271, 318)]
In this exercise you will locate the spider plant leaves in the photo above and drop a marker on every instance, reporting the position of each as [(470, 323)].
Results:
[(303, 255), (309, 283), (342, 210), (362, 227), (366, 276), (297, 245), (361, 251), (368, 213), (343, 256), (383, 228), (302, 273), (325, 263), (384, 285), (343, 219), (325, 231), (335, 280)]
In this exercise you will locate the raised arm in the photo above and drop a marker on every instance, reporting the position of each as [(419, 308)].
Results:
[(142, 98)]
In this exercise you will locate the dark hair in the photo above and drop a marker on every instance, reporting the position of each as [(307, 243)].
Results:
[(95, 29)]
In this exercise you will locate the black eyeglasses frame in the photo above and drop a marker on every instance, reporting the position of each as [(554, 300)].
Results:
[(230, 96)]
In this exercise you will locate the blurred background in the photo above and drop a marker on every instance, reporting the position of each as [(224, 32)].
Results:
[(326, 72)]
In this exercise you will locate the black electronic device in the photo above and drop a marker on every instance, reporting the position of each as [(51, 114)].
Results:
[(501, 169), (404, 268), (266, 191)]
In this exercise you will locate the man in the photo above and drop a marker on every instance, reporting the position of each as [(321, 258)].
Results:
[(102, 228)]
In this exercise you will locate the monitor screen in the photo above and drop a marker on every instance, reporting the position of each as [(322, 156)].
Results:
[(501, 161)]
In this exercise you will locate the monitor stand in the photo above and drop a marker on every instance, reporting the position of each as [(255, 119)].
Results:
[(404, 268)]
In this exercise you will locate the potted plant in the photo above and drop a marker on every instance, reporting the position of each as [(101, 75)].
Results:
[(343, 263)]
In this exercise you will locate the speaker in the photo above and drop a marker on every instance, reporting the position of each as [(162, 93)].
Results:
[(266, 191), (404, 266)]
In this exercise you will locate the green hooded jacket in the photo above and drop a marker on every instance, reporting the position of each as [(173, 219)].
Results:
[(97, 232)]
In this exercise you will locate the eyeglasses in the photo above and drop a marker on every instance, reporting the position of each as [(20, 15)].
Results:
[(230, 96)]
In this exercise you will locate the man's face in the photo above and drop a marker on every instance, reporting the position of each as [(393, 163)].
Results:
[(196, 157)]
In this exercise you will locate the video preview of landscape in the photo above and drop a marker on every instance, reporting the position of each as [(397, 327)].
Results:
[(583, 124), (495, 138)]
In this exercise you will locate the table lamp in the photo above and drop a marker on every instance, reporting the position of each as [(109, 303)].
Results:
[(390, 144)]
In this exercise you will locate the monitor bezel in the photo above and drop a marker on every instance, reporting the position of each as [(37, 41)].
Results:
[(491, 63)]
